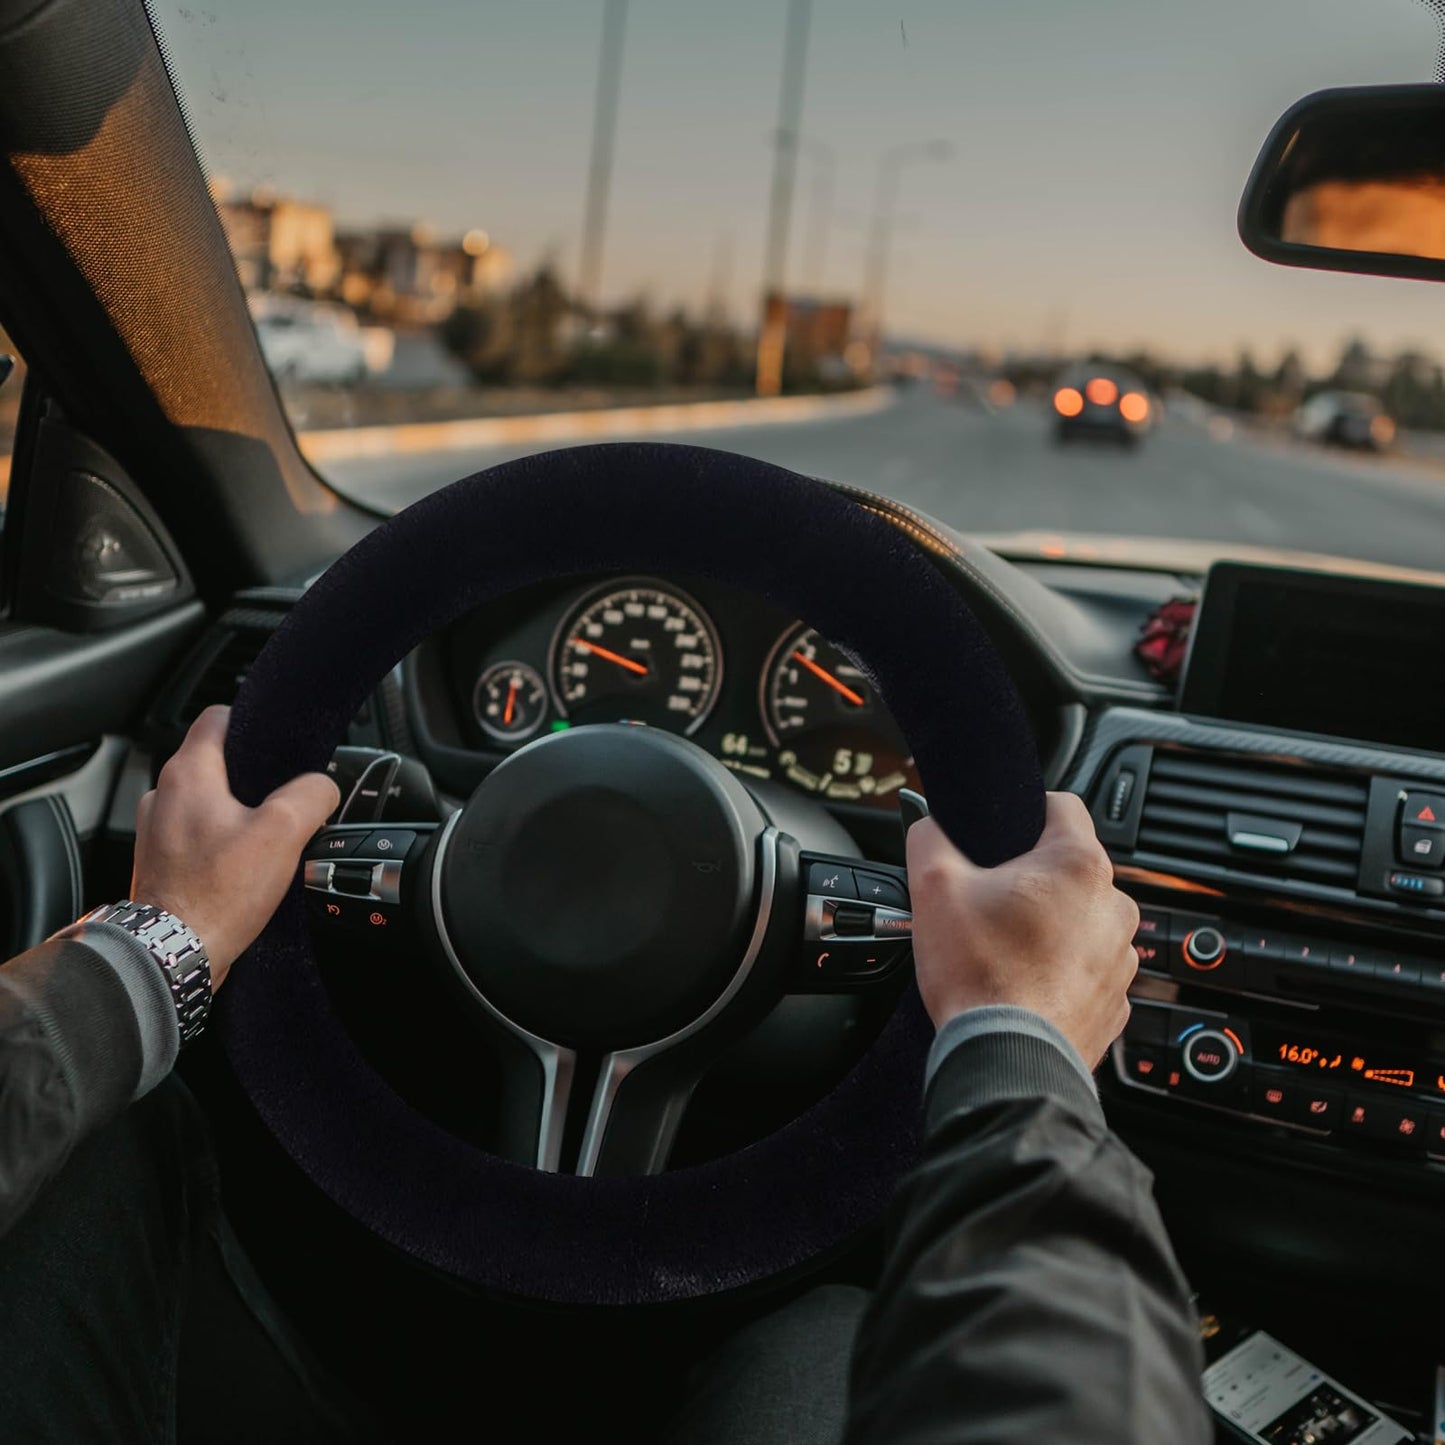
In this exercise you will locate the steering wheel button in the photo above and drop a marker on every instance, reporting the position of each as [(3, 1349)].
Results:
[(832, 880), (387, 843), (333, 844), (879, 888), (892, 923), (853, 920)]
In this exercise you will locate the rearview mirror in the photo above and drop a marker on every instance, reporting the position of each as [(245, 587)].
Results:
[(1353, 180)]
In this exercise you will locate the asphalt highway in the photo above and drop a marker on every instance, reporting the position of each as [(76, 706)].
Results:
[(1001, 471)]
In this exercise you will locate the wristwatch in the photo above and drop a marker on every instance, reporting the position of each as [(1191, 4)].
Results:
[(180, 954)]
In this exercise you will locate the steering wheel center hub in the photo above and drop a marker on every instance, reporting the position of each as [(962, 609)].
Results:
[(599, 887)]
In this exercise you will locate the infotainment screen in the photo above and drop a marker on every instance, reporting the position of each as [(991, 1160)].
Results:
[(1314, 652)]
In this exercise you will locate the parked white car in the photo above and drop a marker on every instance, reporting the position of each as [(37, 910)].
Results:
[(308, 341)]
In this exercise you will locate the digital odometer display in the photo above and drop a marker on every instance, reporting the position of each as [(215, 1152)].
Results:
[(637, 652)]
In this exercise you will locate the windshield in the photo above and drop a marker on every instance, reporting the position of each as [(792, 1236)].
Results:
[(979, 257)]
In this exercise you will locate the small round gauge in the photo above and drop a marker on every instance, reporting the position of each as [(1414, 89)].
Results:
[(637, 651), (832, 732), (510, 701)]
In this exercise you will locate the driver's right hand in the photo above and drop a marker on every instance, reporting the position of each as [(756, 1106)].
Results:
[(1047, 931)]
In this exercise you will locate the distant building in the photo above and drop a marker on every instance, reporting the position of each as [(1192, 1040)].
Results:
[(399, 274), (279, 244)]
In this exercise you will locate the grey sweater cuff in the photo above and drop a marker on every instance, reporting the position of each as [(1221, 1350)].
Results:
[(1000, 1018), (149, 994)]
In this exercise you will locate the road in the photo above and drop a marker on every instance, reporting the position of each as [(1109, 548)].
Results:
[(1002, 472)]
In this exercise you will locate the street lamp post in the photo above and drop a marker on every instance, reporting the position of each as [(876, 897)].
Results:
[(820, 210), (880, 234), (773, 325), (599, 169)]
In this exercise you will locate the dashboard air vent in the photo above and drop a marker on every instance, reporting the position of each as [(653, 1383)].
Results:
[(232, 651), (1263, 818)]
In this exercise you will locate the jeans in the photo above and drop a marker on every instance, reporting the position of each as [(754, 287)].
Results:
[(129, 1313)]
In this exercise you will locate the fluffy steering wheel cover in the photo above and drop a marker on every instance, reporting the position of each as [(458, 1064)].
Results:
[(687, 512)]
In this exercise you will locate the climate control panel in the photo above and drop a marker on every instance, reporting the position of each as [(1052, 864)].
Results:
[(1331, 1083)]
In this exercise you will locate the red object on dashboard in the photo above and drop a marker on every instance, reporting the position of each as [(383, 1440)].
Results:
[(1165, 639)]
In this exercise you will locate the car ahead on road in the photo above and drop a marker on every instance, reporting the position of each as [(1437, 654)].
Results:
[(1345, 419), (306, 341), (1101, 401)]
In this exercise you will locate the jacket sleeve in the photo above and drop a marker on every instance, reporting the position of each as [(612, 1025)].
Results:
[(83, 1030), (1030, 1292)]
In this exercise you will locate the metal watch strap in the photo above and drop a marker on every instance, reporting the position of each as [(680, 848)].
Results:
[(180, 954)]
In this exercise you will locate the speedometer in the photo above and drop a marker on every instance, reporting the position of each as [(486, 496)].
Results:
[(832, 732), (637, 651)]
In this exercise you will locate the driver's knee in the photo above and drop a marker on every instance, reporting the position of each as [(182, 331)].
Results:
[(781, 1380)]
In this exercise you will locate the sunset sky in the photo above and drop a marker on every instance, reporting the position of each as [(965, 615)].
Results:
[(1100, 146)]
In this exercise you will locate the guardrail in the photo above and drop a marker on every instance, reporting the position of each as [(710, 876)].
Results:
[(345, 443)]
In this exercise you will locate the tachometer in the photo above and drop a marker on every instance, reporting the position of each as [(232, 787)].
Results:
[(832, 732), (641, 652)]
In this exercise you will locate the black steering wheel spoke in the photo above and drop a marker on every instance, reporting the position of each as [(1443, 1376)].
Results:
[(857, 925)]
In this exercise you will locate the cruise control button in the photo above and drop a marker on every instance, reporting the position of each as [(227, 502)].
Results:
[(832, 880), (388, 843), (879, 888), (330, 844), (351, 878)]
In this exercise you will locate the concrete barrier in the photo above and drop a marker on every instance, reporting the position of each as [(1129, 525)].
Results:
[(344, 443)]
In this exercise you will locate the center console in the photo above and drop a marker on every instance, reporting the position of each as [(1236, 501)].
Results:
[(1291, 879)]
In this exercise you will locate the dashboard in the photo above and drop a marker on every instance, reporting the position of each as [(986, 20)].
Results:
[(1279, 822), (760, 690)]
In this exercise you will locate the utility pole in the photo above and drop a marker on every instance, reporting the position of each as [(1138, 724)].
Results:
[(599, 170), (880, 234), (772, 332), (820, 212)]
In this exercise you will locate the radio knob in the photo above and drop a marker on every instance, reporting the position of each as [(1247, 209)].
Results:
[(1210, 1057), (1204, 949)]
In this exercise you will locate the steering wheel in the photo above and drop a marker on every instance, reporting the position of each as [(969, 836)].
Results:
[(613, 894)]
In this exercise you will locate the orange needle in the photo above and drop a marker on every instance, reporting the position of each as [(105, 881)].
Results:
[(511, 699), (616, 657), (828, 677)]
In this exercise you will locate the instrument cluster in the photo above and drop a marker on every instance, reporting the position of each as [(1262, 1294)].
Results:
[(764, 693)]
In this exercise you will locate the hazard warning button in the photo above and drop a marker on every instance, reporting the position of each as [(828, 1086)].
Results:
[(1423, 810)]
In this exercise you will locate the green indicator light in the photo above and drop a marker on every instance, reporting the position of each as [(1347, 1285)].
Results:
[(561, 725)]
